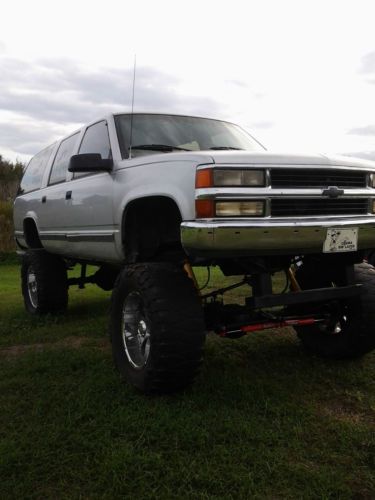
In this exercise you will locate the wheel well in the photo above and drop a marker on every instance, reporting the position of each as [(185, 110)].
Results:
[(151, 228), (31, 234)]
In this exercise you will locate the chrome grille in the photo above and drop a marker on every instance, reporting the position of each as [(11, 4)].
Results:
[(317, 178), (308, 207)]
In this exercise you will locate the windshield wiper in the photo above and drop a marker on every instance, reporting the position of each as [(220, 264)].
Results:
[(159, 147), (225, 147)]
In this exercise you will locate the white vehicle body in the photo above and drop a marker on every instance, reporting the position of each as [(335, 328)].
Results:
[(83, 218), (145, 197)]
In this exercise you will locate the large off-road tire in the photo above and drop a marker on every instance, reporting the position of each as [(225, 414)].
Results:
[(157, 328), (356, 321), (370, 257), (44, 282)]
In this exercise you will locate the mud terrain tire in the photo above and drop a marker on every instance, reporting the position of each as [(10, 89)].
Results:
[(44, 282), (357, 336), (157, 328)]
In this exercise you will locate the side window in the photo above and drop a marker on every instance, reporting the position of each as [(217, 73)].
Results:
[(96, 140), (62, 158), (33, 176)]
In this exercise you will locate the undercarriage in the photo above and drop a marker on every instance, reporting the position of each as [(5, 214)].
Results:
[(293, 306), (160, 315)]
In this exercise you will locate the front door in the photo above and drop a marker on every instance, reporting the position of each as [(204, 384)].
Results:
[(89, 203)]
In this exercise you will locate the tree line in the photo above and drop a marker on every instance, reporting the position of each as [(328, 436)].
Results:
[(10, 178)]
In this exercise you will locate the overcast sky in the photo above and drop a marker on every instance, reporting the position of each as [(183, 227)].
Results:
[(299, 75)]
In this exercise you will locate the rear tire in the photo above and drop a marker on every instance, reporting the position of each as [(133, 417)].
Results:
[(44, 282), (370, 258), (157, 328), (357, 322)]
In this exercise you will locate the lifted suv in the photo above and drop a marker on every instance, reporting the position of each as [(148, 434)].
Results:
[(146, 196)]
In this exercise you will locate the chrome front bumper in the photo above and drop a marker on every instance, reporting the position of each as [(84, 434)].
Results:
[(235, 237)]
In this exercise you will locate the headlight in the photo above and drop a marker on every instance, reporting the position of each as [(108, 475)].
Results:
[(235, 177), (239, 208)]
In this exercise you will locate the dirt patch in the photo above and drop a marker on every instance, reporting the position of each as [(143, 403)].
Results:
[(68, 342), (345, 412)]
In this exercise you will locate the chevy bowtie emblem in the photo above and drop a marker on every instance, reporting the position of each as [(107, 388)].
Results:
[(332, 192)]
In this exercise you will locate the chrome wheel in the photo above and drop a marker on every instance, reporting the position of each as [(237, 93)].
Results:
[(157, 327), (135, 331), (32, 287)]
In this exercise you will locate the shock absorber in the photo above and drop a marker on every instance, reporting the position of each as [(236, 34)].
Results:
[(190, 272), (294, 285)]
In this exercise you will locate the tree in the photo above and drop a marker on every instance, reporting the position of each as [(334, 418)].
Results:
[(10, 177)]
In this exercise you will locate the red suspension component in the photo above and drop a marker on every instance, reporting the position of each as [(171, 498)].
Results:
[(277, 323)]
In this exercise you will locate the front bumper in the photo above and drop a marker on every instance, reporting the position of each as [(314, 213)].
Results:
[(245, 237)]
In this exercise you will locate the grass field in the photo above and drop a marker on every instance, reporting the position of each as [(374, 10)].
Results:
[(264, 420)]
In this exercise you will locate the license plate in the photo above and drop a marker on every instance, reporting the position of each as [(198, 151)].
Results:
[(341, 240)]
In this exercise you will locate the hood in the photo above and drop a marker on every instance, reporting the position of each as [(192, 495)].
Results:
[(286, 159), (266, 158)]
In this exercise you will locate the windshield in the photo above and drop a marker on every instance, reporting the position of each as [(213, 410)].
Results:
[(167, 133)]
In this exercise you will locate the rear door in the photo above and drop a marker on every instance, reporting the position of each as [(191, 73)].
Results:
[(28, 203), (54, 221)]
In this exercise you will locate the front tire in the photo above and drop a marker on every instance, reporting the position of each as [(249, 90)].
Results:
[(353, 335), (44, 282), (157, 327)]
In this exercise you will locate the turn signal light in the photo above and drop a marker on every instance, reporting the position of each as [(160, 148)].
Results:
[(204, 178), (204, 209)]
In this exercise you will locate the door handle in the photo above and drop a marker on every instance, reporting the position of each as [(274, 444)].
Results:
[(44, 199), (68, 195)]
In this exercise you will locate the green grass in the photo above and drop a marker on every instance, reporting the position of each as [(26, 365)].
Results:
[(263, 420)]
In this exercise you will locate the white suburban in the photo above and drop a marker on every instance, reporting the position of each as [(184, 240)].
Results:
[(146, 196)]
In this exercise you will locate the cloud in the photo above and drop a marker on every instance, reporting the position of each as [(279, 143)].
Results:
[(368, 63), (27, 138), (365, 155), (263, 125), (367, 130), (367, 67), (238, 83), (49, 94)]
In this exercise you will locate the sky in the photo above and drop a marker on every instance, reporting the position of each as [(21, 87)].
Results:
[(299, 75)]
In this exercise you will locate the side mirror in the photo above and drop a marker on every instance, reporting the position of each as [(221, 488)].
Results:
[(89, 162)]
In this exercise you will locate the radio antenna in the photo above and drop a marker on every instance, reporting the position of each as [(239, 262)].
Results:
[(131, 116)]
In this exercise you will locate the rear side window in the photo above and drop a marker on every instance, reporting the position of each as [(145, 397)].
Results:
[(32, 179), (62, 158), (95, 140)]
